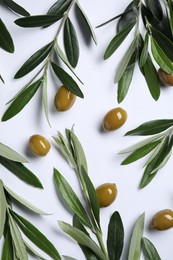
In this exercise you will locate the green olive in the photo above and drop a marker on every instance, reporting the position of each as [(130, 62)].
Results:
[(163, 220), (39, 145), (114, 119), (64, 99), (165, 78), (106, 194)]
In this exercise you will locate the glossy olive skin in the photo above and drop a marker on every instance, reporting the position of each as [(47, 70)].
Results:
[(39, 145), (114, 119), (106, 194), (163, 220), (64, 99), (165, 78)]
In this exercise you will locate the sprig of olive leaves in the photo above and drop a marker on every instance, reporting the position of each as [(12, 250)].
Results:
[(6, 41), (159, 32), (159, 146), (88, 215), (59, 11)]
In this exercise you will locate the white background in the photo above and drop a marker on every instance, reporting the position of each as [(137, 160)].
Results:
[(101, 148)]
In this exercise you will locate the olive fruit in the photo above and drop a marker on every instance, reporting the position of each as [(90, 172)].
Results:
[(114, 119), (106, 194), (39, 145), (165, 78), (64, 99), (163, 220)]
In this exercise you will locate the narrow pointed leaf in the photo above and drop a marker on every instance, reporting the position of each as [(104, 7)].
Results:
[(152, 78), (115, 239), (37, 21), (170, 14), (3, 207), (36, 236), (21, 172), (62, 56), (152, 127), (59, 7), (70, 197), (17, 240), (162, 60), (33, 252), (24, 202), (45, 99), (10, 154), (117, 40), (7, 252), (124, 61), (16, 8), (140, 152), (128, 17), (6, 42), (87, 21), (144, 53), (21, 101), (67, 80), (71, 43), (155, 8), (89, 254), (34, 61), (65, 257), (2, 79), (136, 239), (149, 250), (81, 238)]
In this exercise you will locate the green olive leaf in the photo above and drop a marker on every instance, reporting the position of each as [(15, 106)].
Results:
[(34, 61), (3, 207), (7, 252), (128, 17), (6, 41), (117, 41), (149, 250), (65, 257), (70, 197), (125, 61), (151, 77), (115, 239), (71, 43), (82, 238), (144, 53), (21, 100), (136, 239), (16, 8), (17, 240), (170, 8), (67, 80), (36, 236), (21, 172), (140, 152), (59, 7), (162, 60), (45, 98), (87, 251), (155, 8), (24, 202), (33, 252), (10, 154), (37, 21), (151, 127), (86, 21)]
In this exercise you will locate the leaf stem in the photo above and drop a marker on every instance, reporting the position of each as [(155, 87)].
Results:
[(100, 240)]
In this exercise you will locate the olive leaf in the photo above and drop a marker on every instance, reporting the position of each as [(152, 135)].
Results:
[(136, 239), (7, 252), (115, 239), (67, 80), (155, 8), (59, 7), (1, 79), (149, 250), (71, 43), (37, 20), (36, 236), (3, 207), (21, 100), (6, 41), (70, 197), (10, 154), (33, 252), (170, 8), (16, 7), (144, 53), (21, 172), (81, 238), (128, 17), (34, 61), (45, 98)]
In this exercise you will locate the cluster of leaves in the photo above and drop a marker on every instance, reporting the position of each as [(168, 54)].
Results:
[(160, 144), (59, 11), (158, 22), (6, 41), (88, 215)]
